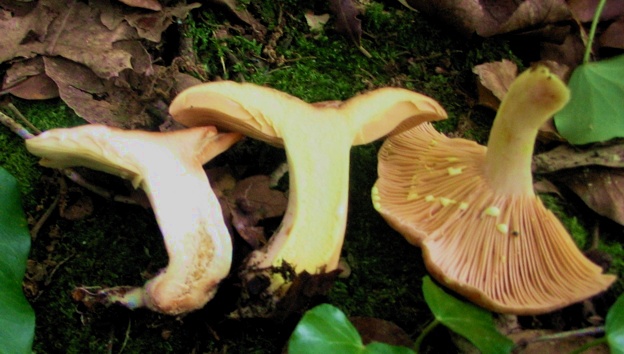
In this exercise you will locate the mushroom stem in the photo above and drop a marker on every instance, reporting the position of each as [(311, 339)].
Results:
[(168, 167), (532, 99)]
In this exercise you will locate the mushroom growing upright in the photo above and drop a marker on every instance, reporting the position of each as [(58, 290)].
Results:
[(168, 167), (317, 140), (472, 209)]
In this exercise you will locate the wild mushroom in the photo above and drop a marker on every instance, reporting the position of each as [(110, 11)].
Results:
[(168, 167), (317, 139), (472, 209)]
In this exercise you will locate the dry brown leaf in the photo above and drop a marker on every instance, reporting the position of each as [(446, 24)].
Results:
[(373, 329), (584, 10), (27, 79), (601, 188), (491, 17), (613, 36), (94, 99), (346, 19), (567, 156), (144, 4), (151, 25), (243, 15), (494, 80)]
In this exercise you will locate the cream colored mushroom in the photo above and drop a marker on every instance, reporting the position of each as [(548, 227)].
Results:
[(317, 139), (472, 209), (168, 167)]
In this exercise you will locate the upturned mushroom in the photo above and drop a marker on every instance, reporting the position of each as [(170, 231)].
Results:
[(483, 231), (168, 167), (317, 140)]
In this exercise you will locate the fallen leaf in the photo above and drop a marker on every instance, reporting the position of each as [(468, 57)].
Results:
[(244, 15), (316, 22), (495, 78), (94, 99), (379, 330), (253, 200), (601, 188), (151, 25), (346, 19), (566, 156), (27, 79), (584, 10), (613, 36), (490, 17), (560, 346), (144, 4)]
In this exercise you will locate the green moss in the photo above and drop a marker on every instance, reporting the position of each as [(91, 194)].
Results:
[(13, 154)]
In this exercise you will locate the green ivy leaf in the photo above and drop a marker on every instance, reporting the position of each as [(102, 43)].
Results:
[(326, 329), (614, 326), (465, 319), (17, 322), (595, 111)]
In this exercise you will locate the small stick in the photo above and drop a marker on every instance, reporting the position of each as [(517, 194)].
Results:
[(24, 120), (35, 230), (15, 126)]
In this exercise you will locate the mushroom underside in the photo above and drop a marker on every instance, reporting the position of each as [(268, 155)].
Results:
[(507, 253)]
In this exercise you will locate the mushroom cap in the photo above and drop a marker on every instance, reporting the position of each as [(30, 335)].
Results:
[(265, 113), (507, 253)]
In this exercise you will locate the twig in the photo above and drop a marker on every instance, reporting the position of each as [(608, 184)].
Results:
[(15, 126), (35, 230), (25, 121), (123, 345)]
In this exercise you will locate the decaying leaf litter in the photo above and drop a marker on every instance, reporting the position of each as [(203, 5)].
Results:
[(125, 80)]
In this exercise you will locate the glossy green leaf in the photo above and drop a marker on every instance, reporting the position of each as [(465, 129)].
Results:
[(326, 329), (17, 318), (614, 326), (595, 111), (465, 319)]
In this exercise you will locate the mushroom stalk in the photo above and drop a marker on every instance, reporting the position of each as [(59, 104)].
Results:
[(168, 167), (532, 100), (317, 139)]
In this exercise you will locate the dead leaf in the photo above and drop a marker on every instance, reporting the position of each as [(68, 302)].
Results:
[(235, 7), (378, 330), (151, 25), (346, 19), (494, 80), (94, 99), (490, 17), (584, 10), (563, 345), (144, 4), (613, 36), (567, 156), (316, 22), (27, 79), (253, 200), (601, 188)]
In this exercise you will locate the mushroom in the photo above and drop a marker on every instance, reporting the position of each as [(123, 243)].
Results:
[(483, 231), (317, 139), (168, 167)]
